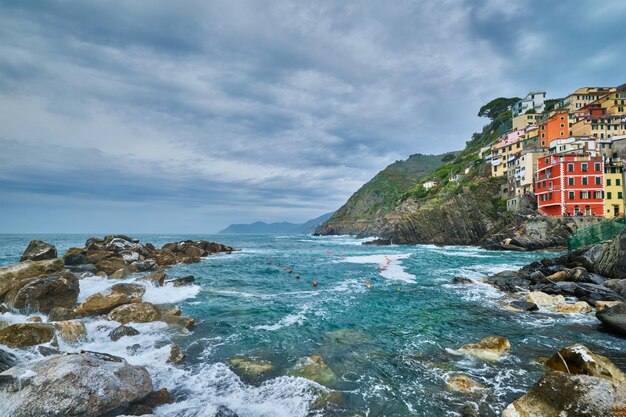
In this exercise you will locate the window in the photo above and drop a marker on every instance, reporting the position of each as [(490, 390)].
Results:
[(570, 167), (598, 180), (618, 181), (572, 195), (598, 195), (584, 167), (608, 195), (584, 195), (597, 166), (570, 181), (584, 179), (608, 182), (549, 196), (619, 195)]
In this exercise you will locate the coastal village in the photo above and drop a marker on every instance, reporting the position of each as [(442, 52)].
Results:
[(565, 156)]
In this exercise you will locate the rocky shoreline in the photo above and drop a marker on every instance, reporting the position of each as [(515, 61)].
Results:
[(64, 381), (590, 280)]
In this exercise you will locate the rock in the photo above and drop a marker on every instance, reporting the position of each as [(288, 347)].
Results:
[(43, 294), (251, 367), (509, 281), (462, 280), (470, 410), (463, 383), (112, 265), (139, 313), (176, 355), (560, 394), (121, 331), (34, 319), (129, 289), (543, 299), (102, 303), (617, 285), (579, 360), (26, 334), (146, 405), (183, 321), (180, 282), (145, 265), (603, 305), (120, 273), (223, 411), (85, 384), (74, 256), (165, 257), (328, 399), (377, 242), (96, 256), (614, 318), (577, 307), (157, 277), (7, 360), (39, 251), (47, 351), (71, 331), (9, 275), (60, 314), (489, 348), (316, 369), (524, 306)]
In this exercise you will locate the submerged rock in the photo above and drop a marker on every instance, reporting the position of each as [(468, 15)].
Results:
[(121, 331), (26, 334), (86, 384), (140, 313), (316, 369), (176, 355), (614, 318), (463, 383), (45, 293), (461, 280), (38, 250), (489, 348), (251, 367), (183, 281)]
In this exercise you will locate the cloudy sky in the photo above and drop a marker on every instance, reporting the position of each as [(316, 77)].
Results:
[(185, 116)]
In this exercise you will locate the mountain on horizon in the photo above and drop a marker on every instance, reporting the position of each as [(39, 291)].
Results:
[(280, 227)]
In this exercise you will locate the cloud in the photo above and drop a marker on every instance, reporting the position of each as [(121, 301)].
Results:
[(260, 111)]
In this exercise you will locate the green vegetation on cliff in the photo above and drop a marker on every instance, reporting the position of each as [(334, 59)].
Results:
[(382, 193)]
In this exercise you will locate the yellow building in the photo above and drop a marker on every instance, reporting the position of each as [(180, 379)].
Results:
[(615, 101), (613, 191), (523, 120), (583, 96), (601, 128)]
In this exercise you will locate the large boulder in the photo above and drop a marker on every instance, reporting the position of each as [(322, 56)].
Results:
[(130, 289), (86, 384), (138, 313), (112, 265), (617, 285), (71, 331), (489, 348), (11, 274), (26, 334), (165, 257), (43, 294), (101, 303), (580, 384), (543, 299), (614, 318), (38, 250), (121, 331), (577, 307), (509, 281), (7, 360)]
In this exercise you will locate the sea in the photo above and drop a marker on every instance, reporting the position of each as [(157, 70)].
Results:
[(386, 320)]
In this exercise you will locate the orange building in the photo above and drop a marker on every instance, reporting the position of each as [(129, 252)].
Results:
[(554, 127)]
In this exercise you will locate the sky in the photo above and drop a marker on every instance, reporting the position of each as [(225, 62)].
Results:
[(186, 116)]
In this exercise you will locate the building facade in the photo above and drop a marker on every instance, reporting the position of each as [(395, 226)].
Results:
[(533, 100), (613, 190)]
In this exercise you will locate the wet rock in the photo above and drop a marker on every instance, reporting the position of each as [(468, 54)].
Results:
[(47, 351), (347, 337), (120, 273), (463, 383), (328, 399), (139, 313), (102, 303), (12, 274), (43, 294), (509, 281), (251, 367), (146, 265), (377, 242), (489, 348), (577, 307), (462, 280), (223, 411), (316, 369), (129, 289), (71, 331), (121, 331), (524, 306), (157, 278), (75, 256), (85, 384), (112, 265), (93, 257), (617, 285), (165, 257), (146, 405), (60, 314), (26, 334), (34, 319), (7, 360), (38, 250), (176, 355), (543, 299), (603, 305), (579, 360), (183, 281), (182, 321), (614, 318), (470, 410)]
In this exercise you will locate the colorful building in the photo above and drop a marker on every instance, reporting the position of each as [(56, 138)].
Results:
[(525, 167), (570, 185), (554, 127), (504, 152), (522, 121), (533, 100), (614, 190), (583, 96), (602, 127)]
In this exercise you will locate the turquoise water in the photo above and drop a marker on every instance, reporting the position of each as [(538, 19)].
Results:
[(391, 346)]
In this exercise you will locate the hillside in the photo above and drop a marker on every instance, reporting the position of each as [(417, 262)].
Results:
[(282, 227)]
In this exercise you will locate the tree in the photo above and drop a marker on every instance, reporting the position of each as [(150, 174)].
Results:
[(497, 106)]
